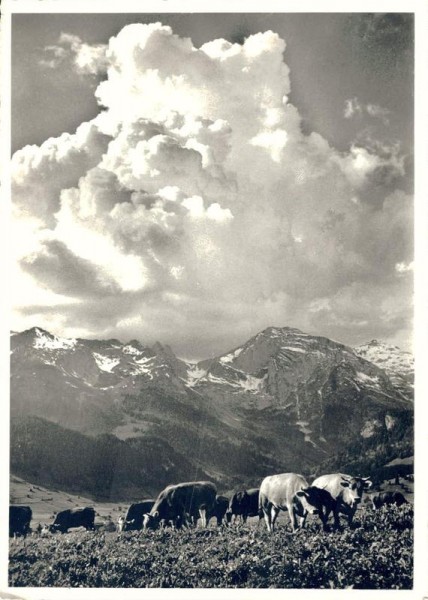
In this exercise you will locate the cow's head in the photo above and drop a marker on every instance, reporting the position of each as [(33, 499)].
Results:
[(354, 488), (309, 500), (151, 521)]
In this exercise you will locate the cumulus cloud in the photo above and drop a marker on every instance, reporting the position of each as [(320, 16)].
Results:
[(87, 59), (354, 108), (195, 210)]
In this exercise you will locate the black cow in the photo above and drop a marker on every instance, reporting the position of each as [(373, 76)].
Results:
[(244, 503), (181, 503), (321, 502), (74, 517), (19, 520), (387, 498), (134, 517), (219, 509)]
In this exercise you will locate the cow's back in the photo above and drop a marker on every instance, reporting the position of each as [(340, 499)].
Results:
[(75, 517), (194, 495), (184, 497), (331, 483), (280, 490)]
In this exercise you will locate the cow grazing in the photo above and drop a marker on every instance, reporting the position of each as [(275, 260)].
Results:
[(133, 520), (244, 503), (346, 491), (218, 509), (74, 517), (19, 520), (321, 500), (388, 498), (279, 492), (181, 503)]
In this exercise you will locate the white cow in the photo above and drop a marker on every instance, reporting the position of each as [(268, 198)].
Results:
[(346, 491), (279, 492)]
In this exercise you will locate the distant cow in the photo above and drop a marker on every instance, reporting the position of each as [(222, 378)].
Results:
[(244, 503), (19, 520), (74, 517), (280, 492), (346, 491), (133, 520), (387, 498), (181, 503), (218, 510)]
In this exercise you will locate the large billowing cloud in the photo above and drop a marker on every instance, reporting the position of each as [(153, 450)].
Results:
[(194, 209)]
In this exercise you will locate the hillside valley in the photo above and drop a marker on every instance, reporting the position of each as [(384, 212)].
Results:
[(122, 420)]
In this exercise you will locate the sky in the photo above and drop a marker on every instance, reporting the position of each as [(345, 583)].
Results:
[(195, 178)]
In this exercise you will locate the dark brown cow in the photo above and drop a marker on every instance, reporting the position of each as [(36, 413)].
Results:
[(19, 520), (134, 517), (74, 517), (181, 503), (244, 503), (388, 498), (219, 509)]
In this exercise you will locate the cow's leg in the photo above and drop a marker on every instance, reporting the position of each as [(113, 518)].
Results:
[(336, 518), (350, 517), (274, 516), (267, 516), (203, 513), (303, 520), (293, 517)]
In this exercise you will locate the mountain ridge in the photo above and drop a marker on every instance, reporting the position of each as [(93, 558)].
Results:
[(283, 400)]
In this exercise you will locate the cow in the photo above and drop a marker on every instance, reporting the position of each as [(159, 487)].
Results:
[(218, 509), (74, 517), (279, 492), (321, 500), (19, 520), (346, 491), (388, 498), (181, 503), (244, 503), (133, 520)]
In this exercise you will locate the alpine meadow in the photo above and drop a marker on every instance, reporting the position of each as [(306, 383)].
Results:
[(211, 367)]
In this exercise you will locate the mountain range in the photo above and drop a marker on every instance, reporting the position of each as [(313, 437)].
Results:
[(121, 420)]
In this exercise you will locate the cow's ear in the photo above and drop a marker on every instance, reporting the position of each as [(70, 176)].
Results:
[(302, 494), (367, 484), (344, 483)]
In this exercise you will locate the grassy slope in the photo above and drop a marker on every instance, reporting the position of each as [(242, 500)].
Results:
[(377, 554), (44, 503)]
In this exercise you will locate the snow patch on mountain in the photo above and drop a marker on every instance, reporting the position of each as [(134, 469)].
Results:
[(387, 357), (105, 363), (194, 374), (52, 342), (230, 357), (368, 379), (294, 349), (251, 384), (129, 349)]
